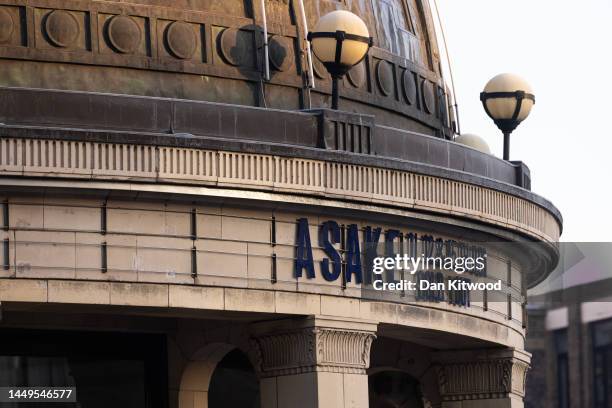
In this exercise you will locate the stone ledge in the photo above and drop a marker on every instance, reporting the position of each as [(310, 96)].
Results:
[(367, 314), (125, 162), (186, 140)]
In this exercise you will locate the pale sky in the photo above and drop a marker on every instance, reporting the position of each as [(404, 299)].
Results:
[(564, 50)]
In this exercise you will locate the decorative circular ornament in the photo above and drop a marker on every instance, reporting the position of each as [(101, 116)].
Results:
[(181, 40), (318, 68), (384, 77), (280, 53), (6, 26), (428, 96), (62, 28), (124, 34), (409, 87), (233, 47), (357, 75)]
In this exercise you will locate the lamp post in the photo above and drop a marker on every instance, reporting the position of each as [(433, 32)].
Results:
[(340, 40), (507, 99)]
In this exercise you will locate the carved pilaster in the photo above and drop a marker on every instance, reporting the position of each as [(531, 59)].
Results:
[(482, 374), (315, 347)]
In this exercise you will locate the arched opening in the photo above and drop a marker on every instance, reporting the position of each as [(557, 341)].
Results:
[(394, 389), (219, 376), (234, 383)]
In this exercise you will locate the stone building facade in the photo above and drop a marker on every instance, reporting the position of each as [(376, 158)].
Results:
[(570, 339), (176, 232)]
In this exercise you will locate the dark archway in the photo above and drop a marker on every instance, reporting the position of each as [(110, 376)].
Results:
[(394, 389), (234, 383)]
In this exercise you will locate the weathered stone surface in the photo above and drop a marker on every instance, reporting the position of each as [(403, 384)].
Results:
[(482, 374)]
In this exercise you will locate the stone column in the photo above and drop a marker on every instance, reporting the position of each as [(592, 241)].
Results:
[(482, 378), (575, 355), (587, 365), (313, 362)]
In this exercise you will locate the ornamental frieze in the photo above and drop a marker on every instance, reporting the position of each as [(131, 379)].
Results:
[(482, 374), (312, 349)]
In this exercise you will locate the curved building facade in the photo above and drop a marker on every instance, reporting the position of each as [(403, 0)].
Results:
[(178, 232)]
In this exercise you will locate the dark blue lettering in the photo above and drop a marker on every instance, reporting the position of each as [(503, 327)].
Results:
[(353, 254), (303, 256), (328, 247)]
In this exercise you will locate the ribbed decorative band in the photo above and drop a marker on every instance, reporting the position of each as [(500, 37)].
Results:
[(57, 158)]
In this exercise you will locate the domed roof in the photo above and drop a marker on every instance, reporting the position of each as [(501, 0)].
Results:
[(213, 51)]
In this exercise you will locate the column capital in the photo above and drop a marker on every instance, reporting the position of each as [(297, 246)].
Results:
[(298, 346), (482, 374)]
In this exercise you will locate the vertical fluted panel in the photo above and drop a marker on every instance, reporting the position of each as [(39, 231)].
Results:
[(60, 158)]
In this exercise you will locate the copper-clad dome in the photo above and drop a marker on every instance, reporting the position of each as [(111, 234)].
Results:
[(212, 50)]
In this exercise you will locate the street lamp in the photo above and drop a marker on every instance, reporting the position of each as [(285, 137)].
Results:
[(508, 100), (340, 40)]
